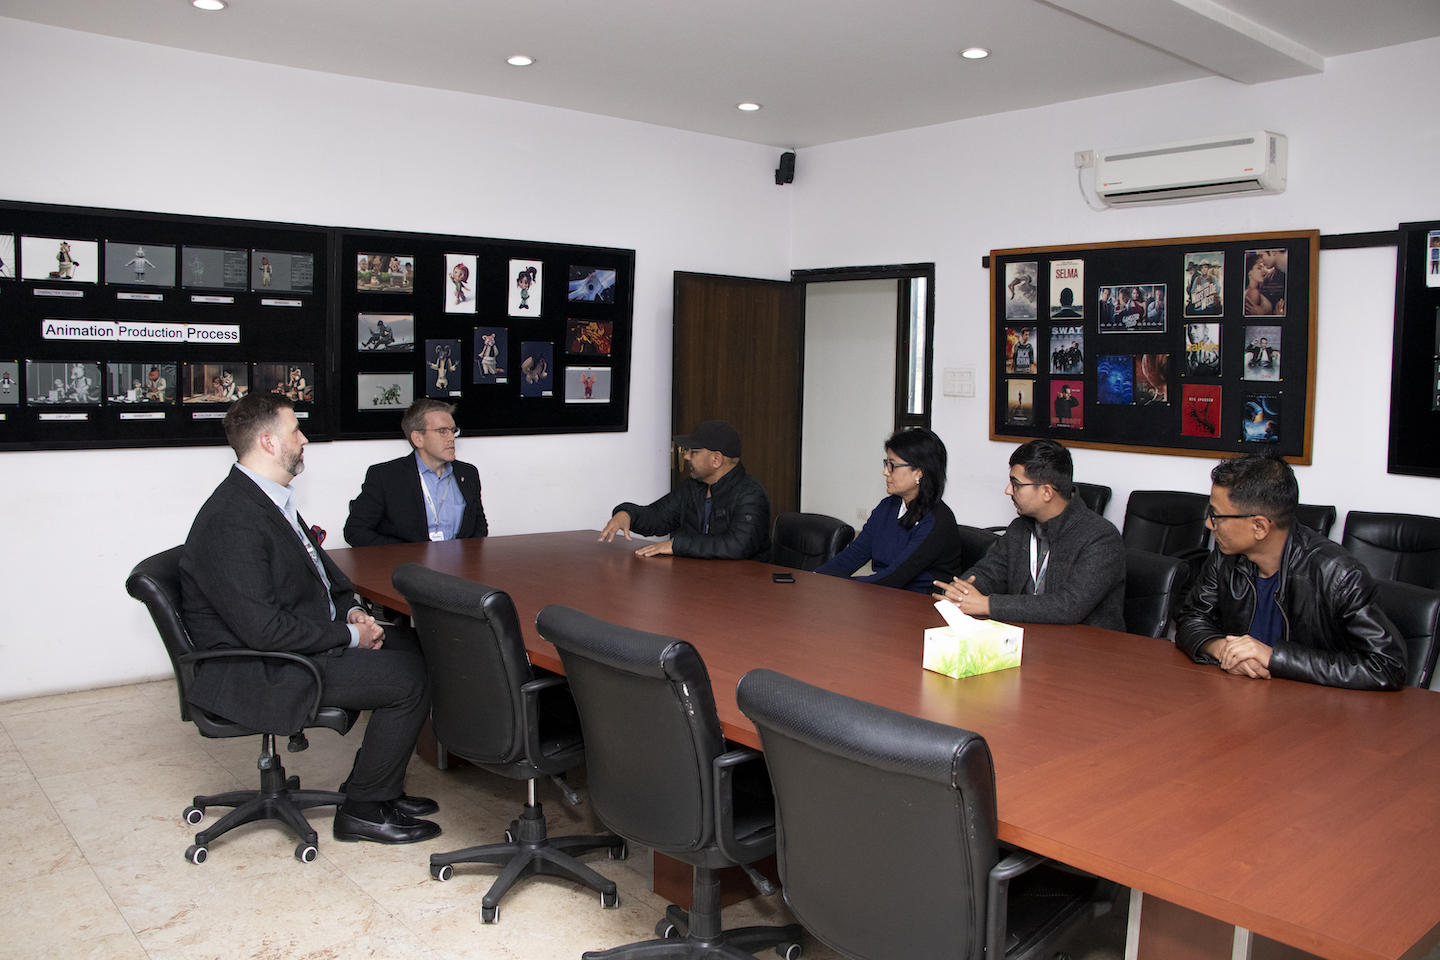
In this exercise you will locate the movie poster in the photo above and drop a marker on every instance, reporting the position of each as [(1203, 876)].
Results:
[(1132, 308), (1020, 402), (1205, 284), (1067, 289), (1202, 350), (459, 275), (1067, 403), (1152, 378), (442, 369), (1200, 411), (1265, 282), (1021, 290), (1115, 380), (1067, 350), (492, 355), (1020, 350), (1262, 353), (1260, 418)]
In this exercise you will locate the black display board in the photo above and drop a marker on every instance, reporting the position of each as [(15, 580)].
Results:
[(141, 328), (1415, 363), (522, 337), (1197, 346)]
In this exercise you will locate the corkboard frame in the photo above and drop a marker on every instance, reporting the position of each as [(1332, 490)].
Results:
[(1128, 262)]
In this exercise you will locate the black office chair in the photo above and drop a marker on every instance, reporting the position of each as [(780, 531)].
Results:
[(1170, 523), (660, 774), (975, 543), (1415, 612), (806, 540), (489, 707), (1153, 588), (1319, 518), (914, 802), (1095, 495), (1395, 546), (155, 582)]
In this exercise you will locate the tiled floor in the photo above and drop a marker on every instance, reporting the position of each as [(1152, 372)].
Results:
[(91, 855)]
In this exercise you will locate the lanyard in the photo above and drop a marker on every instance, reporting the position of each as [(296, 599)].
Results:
[(430, 502), (1037, 566)]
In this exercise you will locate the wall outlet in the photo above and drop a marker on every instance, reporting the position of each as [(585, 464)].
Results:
[(861, 514), (959, 382), (1084, 159)]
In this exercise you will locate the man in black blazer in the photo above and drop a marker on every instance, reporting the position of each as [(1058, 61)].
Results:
[(427, 495), (253, 576)]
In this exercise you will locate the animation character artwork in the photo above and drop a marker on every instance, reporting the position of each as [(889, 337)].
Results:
[(524, 280), (460, 278), (443, 367), (139, 264), (386, 396)]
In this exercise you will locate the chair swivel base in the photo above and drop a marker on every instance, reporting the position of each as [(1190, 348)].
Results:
[(528, 851), (279, 798), (679, 942)]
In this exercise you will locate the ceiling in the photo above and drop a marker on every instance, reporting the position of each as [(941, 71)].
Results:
[(824, 70)]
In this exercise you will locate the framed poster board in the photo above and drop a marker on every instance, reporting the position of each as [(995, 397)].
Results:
[(1195, 346), (1415, 361)]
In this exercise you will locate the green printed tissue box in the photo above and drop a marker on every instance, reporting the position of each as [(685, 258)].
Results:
[(990, 645)]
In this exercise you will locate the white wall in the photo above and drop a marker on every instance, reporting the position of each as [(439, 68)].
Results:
[(149, 128), (1364, 152)]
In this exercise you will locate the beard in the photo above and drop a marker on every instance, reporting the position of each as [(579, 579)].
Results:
[(296, 465)]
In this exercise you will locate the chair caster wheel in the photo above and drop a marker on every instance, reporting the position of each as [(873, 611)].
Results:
[(790, 951), (489, 914), (193, 815), (196, 853), (665, 930), (509, 836), (619, 853), (441, 871), (609, 901), (306, 853)]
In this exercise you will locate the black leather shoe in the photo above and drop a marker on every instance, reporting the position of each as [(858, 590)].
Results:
[(410, 806), (393, 827)]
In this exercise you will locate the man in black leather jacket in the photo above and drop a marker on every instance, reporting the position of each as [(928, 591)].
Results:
[(1276, 599), (720, 513)]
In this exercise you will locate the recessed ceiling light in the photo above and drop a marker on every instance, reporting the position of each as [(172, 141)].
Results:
[(208, 4), (974, 53), (748, 107), (520, 60)]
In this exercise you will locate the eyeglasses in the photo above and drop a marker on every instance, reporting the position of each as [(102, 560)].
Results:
[(1211, 515), (1016, 484), (890, 466), (444, 431)]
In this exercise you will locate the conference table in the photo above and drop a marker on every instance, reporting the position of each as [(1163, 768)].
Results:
[(1253, 819)]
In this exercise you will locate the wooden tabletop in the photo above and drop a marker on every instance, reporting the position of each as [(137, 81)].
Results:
[(1305, 814)]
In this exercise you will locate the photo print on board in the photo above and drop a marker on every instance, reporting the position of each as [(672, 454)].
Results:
[(1067, 350), (139, 264), (526, 277), (1020, 350), (7, 256), (592, 284), (1262, 352), (1205, 284), (442, 368), (1432, 259), (1067, 403), (590, 338), (1202, 349), (214, 382), (9, 383), (1021, 290), (384, 391), (1260, 418), (141, 382), (1152, 378), (1020, 402), (537, 366), (1265, 282), (385, 333), (74, 382), (293, 380), (492, 353), (1132, 308), (459, 282), (587, 384), (276, 271), (1115, 380), (59, 258), (215, 268), (385, 273), (1067, 289), (1200, 411)]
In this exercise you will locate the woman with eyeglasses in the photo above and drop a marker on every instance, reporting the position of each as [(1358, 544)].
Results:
[(910, 539)]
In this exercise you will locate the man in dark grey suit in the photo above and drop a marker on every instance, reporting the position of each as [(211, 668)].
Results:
[(253, 576), (427, 495)]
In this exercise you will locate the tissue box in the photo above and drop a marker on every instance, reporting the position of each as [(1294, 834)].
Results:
[(989, 645)]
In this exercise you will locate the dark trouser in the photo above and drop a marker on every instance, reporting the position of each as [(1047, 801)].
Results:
[(391, 682)]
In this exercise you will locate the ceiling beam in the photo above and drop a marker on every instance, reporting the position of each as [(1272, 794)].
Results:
[(1203, 33)]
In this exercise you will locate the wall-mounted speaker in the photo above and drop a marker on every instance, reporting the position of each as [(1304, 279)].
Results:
[(785, 173)]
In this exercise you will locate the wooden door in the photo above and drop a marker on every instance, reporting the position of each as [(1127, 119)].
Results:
[(739, 356)]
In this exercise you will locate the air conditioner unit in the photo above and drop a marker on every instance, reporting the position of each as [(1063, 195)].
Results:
[(1193, 169)]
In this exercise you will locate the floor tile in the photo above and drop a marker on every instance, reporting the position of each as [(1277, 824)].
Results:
[(61, 701), (63, 914), (12, 766), (89, 734), (33, 841)]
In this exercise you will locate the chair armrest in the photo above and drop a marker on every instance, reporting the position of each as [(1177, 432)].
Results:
[(187, 663), (760, 843), (997, 911), (530, 696)]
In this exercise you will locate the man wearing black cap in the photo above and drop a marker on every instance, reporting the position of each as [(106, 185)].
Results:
[(720, 513)]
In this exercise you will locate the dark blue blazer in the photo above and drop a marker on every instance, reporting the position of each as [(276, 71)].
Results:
[(391, 508)]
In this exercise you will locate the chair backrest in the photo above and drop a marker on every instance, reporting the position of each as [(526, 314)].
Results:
[(1095, 495), (475, 656), (912, 800), (1319, 518), (155, 582), (1415, 612), (650, 725), (806, 540), (974, 544), (1152, 590), (1167, 522), (1395, 546)]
